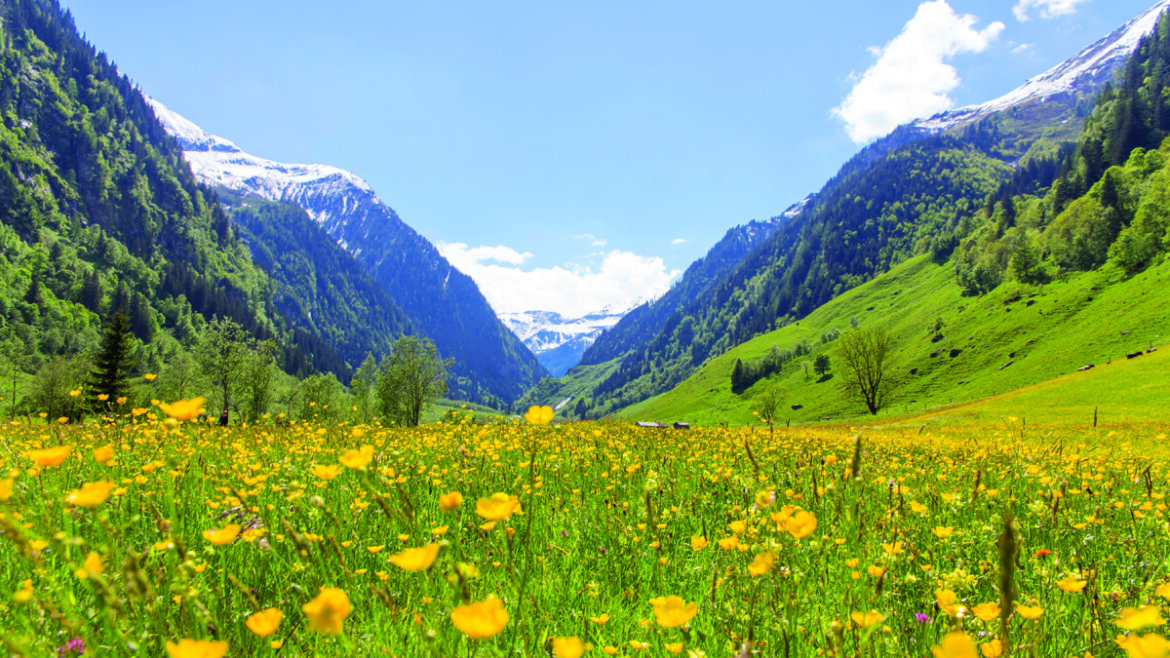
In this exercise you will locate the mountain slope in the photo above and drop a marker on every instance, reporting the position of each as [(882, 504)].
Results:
[(442, 303), (1037, 285), (913, 192), (317, 285), (1088, 70), (640, 325), (99, 211), (1015, 336)]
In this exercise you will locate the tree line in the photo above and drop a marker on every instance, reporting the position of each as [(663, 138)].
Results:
[(235, 371)]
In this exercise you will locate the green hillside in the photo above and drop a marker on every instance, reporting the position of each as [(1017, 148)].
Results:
[(1042, 331), (1130, 392), (578, 384)]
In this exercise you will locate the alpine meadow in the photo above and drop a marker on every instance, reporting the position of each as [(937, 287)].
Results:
[(247, 410)]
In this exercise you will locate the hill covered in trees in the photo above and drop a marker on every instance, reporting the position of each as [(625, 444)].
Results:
[(918, 192), (100, 214), (1063, 265)]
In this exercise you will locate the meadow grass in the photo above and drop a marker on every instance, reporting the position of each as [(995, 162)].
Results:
[(812, 542), (1012, 337)]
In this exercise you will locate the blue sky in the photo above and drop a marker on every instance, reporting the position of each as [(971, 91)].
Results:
[(574, 155)]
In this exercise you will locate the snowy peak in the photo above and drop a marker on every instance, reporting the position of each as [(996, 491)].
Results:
[(1089, 69), (546, 330), (190, 136), (558, 342), (218, 161)]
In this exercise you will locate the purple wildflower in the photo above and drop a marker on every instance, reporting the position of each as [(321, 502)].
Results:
[(74, 647)]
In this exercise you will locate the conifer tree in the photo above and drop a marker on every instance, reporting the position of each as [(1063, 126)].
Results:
[(92, 294), (111, 369)]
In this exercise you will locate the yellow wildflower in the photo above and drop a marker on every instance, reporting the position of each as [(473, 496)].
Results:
[(955, 645), (222, 536), (327, 612), (416, 559), (480, 619), (1132, 619), (358, 459), (196, 649), (539, 415), (498, 507), (568, 647), (450, 501), (183, 409), (673, 611), (265, 622), (866, 619), (91, 494), (762, 564), (49, 456)]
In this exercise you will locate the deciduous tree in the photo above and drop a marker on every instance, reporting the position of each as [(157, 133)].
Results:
[(413, 375), (868, 356)]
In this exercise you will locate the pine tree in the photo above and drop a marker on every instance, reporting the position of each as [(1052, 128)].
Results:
[(92, 294), (111, 369), (120, 302), (141, 322), (737, 377), (33, 294)]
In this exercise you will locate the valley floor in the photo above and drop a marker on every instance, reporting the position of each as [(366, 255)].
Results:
[(948, 532)]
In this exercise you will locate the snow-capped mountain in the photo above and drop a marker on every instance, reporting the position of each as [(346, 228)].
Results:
[(558, 342), (341, 202), (443, 303), (1083, 73)]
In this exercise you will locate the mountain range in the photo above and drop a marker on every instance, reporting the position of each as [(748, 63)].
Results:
[(558, 342), (441, 302), (113, 203)]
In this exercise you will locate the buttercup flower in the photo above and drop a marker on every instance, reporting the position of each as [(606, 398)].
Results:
[(498, 507), (49, 456), (264, 623), (183, 409), (864, 619), (358, 459), (451, 501), (222, 536), (326, 472), (955, 645), (673, 611), (539, 415), (802, 524), (196, 649), (328, 611), (1132, 619), (416, 559), (568, 647), (91, 494), (481, 619), (762, 564)]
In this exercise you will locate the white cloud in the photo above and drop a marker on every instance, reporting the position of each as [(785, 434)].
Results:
[(677, 241), (499, 253), (1022, 48), (594, 241), (1048, 8), (911, 77), (571, 290)]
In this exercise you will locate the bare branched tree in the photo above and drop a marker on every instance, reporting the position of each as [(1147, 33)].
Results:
[(867, 354)]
